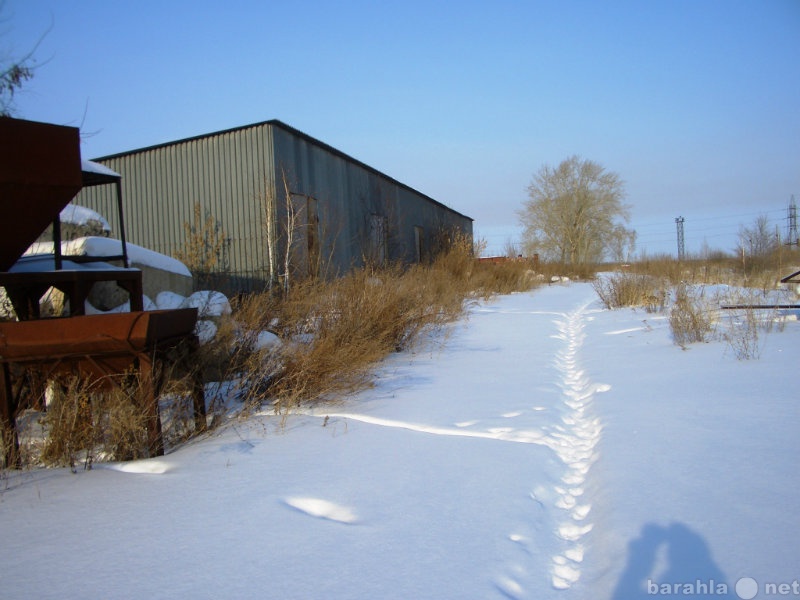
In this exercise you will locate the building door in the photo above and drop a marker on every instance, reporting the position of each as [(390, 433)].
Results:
[(312, 236), (378, 240)]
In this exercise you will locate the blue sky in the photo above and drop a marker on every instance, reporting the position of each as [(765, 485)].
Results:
[(695, 104)]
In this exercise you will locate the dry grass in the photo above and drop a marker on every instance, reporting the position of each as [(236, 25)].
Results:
[(694, 316), (690, 319), (332, 334), (742, 334), (632, 289), (75, 420), (743, 329), (762, 272), (85, 423)]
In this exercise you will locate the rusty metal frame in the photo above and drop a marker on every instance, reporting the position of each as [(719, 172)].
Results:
[(98, 348), (40, 172)]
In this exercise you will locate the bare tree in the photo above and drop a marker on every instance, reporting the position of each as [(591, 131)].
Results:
[(290, 227), (14, 72), (11, 79), (622, 244), (511, 249), (270, 218), (294, 234), (573, 213), (757, 241)]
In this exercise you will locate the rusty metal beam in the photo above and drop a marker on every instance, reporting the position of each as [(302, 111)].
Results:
[(759, 306), (100, 347)]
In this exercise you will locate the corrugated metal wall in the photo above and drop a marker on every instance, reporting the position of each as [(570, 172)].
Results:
[(350, 194), (228, 173)]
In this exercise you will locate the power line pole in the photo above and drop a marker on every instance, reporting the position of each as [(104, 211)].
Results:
[(792, 237), (681, 250)]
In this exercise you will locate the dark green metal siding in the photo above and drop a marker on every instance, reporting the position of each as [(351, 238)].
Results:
[(226, 174)]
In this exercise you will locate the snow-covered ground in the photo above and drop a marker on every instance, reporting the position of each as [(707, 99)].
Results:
[(545, 448)]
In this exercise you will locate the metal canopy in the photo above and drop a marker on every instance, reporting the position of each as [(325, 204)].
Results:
[(93, 173)]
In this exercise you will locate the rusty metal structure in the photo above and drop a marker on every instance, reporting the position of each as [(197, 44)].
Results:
[(40, 172)]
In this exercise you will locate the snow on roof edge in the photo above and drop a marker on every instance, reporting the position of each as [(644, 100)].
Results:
[(89, 166)]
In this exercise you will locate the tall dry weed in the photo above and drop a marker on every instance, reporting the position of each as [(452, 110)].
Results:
[(334, 332), (631, 289), (745, 326), (77, 420), (742, 334), (690, 320), (85, 423)]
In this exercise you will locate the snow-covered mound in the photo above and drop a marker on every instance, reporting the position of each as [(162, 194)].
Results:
[(208, 304), (81, 216)]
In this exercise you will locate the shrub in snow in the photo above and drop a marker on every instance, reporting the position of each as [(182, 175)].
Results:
[(618, 290), (689, 318), (741, 333), (743, 326)]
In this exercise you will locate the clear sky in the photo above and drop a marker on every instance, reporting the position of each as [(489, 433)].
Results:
[(694, 103)]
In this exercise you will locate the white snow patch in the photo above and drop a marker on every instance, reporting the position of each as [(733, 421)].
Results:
[(266, 340), (205, 330), (81, 215), (322, 509), (510, 588), (572, 532), (208, 304), (167, 300), (152, 466)]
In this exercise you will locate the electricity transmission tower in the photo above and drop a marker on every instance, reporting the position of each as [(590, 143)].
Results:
[(681, 249), (792, 237)]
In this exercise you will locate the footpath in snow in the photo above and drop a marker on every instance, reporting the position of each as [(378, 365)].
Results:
[(545, 448)]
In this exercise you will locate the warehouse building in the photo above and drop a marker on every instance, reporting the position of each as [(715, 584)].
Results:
[(281, 202)]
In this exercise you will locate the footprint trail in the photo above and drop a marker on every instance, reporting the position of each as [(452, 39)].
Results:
[(563, 503), (576, 447)]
